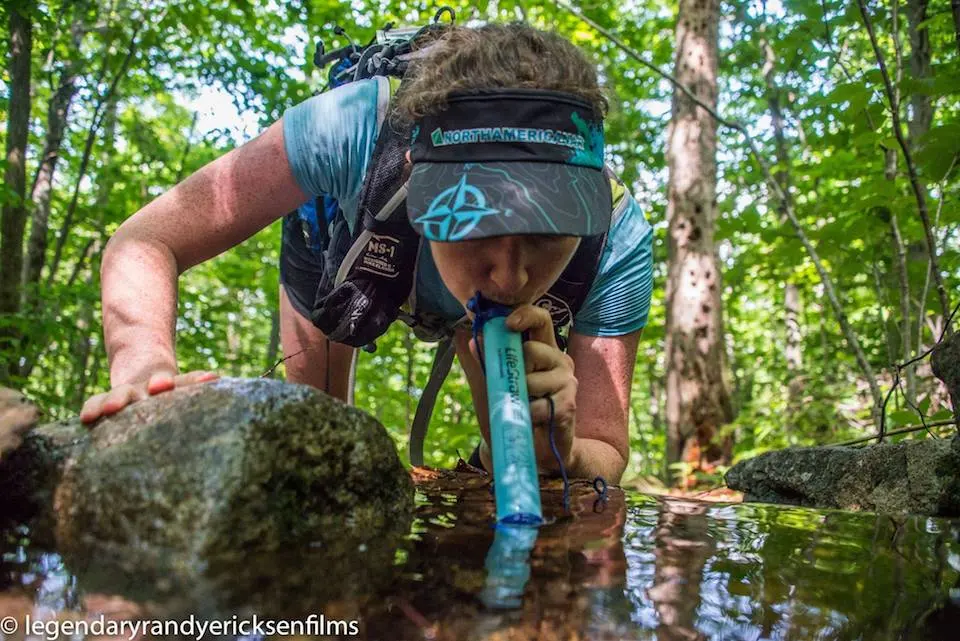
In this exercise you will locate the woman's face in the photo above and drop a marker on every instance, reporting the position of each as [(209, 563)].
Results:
[(511, 270)]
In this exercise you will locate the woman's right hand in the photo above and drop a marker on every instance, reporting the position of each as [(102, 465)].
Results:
[(120, 396)]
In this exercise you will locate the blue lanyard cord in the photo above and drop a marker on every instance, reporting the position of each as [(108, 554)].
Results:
[(556, 455), (483, 310)]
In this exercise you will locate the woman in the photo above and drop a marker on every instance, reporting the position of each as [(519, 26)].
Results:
[(505, 180)]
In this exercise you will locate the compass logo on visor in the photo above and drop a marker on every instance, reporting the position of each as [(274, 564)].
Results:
[(455, 212)]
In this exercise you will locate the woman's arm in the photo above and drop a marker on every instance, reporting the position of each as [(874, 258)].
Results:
[(604, 369), (219, 206)]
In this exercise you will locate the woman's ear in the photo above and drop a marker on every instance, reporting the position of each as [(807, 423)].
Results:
[(407, 155)]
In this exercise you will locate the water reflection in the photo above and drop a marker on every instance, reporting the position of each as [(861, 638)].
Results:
[(682, 546), (508, 566), (641, 568)]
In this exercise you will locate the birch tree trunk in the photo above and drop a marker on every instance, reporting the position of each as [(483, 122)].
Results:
[(14, 214), (698, 401), (791, 309), (921, 107)]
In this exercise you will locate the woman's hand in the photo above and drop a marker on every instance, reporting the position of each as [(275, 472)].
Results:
[(550, 373), (120, 396)]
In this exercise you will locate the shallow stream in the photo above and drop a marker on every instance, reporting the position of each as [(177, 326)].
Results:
[(633, 567)]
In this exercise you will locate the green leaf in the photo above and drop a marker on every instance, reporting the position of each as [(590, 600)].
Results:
[(854, 93), (903, 417), (943, 16), (941, 415)]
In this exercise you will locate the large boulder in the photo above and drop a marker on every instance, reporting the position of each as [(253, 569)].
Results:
[(268, 490), (916, 477)]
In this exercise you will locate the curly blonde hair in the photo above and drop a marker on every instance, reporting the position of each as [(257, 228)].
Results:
[(509, 56)]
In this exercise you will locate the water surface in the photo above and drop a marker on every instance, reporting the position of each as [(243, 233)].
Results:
[(634, 567)]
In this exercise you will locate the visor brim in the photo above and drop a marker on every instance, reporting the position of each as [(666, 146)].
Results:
[(450, 202)]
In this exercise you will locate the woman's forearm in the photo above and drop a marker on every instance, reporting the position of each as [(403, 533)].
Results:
[(592, 458), (139, 296), (219, 206)]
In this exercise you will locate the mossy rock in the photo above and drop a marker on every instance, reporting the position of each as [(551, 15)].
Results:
[(237, 480), (916, 477)]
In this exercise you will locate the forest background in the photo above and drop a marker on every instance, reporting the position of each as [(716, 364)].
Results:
[(836, 161)]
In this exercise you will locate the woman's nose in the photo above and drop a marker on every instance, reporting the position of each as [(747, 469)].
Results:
[(507, 266)]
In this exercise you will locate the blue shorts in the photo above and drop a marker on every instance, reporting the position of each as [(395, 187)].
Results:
[(301, 267)]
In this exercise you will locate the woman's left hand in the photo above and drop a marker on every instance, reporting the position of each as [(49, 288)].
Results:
[(550, 372)]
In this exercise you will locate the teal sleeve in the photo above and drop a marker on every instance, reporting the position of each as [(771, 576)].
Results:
[(330, 137), (619, 300)]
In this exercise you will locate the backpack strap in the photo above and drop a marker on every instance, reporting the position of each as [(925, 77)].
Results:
[(442, 361), (374, 278)]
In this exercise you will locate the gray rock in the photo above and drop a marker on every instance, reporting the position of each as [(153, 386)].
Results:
[(917, 477), (245, 482), (945, 362)]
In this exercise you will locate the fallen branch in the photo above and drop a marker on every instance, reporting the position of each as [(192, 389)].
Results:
[(902, 430)]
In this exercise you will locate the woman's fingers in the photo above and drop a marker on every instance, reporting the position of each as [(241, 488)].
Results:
[(119, 397), (160, 382), (539, 357), (192, 378), (93, 408), (552, 381), (564, 408), (534, 320)]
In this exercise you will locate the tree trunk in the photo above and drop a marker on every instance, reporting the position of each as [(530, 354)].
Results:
[(94, 250), (793, 355), (57, 115), (98, 115), (921, 107), (955, 6), (921, 117), (14, 213), (698, 401), (82, 345), (681, 552), (906, 340), (273, 346), (656, 398)]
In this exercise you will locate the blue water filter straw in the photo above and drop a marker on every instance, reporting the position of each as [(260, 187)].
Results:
[(516, 486)]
